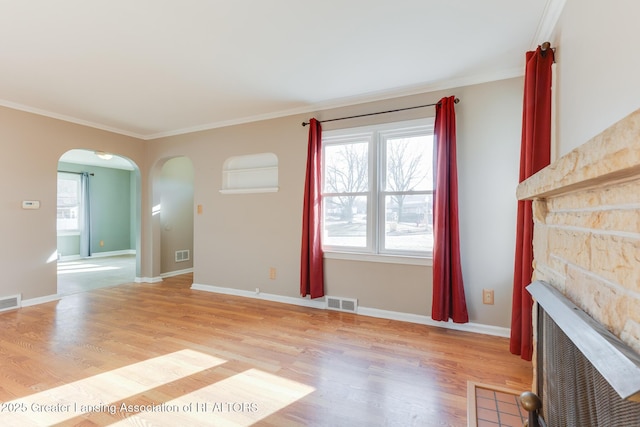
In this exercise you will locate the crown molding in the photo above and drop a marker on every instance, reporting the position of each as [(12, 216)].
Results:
[(354, 100), (310, 108), (65, 118), (547, 24)]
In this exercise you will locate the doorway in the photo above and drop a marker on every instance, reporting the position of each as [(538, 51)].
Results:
[(175, 189), (97, 221)]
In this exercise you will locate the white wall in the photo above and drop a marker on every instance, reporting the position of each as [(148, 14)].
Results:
[(489, 129), (598, 67)]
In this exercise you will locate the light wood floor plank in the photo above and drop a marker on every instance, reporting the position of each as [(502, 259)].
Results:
[(244, 361)]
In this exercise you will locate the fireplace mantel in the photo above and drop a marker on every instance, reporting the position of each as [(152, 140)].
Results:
[(610, 157)]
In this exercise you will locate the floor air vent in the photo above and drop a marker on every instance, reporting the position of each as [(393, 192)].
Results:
[(9, 303), (342, 304)]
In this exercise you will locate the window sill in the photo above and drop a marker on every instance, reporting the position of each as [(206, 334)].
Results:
[(68, 233), (249, 190), (389, 259)]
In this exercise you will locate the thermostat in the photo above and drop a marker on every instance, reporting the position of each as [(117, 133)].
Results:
[(30, 204)]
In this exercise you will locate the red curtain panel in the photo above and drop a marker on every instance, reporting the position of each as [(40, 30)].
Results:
[(535, 154), (448, 287), (311, 269)]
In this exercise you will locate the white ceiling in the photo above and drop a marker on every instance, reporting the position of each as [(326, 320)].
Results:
[(150, 68)]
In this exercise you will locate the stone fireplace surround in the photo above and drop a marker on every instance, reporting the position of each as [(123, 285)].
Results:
[(586, 209)]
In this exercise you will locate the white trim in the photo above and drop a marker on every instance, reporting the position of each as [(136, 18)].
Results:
[(66, 118), (477, 328), (98, 255), (40, 300), (113, 253), (383, 258), (305, 302), (313, 108), (364, 311), (148, 279), (64, 258), (547, 24), (354, 100), (176, 273), (250, 190)]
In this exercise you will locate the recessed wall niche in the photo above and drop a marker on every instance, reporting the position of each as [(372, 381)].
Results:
[(252, 173)]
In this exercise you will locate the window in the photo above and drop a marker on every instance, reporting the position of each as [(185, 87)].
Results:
[(378, 188), (68, 202)]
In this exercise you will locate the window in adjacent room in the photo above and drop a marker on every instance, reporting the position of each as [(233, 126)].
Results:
[(69, 200), (378, 188)]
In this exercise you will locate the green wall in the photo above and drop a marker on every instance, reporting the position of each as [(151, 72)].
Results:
[(112, 207)]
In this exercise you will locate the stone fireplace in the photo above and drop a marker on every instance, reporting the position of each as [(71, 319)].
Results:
[(586, 209)]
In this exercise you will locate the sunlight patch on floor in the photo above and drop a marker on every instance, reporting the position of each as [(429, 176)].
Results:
[(68, 401), (241, 400)]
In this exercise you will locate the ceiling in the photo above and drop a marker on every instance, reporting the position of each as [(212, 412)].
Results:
[(152, 68)]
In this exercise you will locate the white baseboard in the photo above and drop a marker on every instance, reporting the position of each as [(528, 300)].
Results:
[(113, 253), (39, 300), (305, 302), (364, 311), (477, 328), (148, 279), (98, 255), (176, 273)]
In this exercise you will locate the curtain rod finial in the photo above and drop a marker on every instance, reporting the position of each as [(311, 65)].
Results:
[(304, 124), (456, 100)]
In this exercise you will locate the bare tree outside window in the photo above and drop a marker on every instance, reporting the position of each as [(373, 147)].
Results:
[(408, 168), (346, 186), (346, 173)]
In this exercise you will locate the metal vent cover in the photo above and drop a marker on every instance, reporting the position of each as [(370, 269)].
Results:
[(10, 302), (342, 304), (183, 255)]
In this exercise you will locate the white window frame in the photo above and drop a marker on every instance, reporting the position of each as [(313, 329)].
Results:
[(73, 177), (376, 136)]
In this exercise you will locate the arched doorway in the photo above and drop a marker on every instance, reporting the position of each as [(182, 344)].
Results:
[(98, 221)]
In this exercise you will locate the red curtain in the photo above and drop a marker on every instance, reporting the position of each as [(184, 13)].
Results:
[(535, 154), (311, 269), (448, 287)]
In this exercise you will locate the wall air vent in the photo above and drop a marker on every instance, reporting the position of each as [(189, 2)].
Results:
[(182, 255), (342, 304), (10, 302)]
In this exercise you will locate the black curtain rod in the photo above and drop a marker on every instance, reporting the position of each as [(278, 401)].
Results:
[(77, 173), (379, 112)]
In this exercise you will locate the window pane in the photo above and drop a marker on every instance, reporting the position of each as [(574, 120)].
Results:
[(409, 222), (345, 221), (409, 164), (346, 168), (68, 202)]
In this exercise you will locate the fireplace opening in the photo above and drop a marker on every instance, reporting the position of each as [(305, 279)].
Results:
[(585, 375)]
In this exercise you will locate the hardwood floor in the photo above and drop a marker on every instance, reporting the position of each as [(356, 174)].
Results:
[(193, 358)]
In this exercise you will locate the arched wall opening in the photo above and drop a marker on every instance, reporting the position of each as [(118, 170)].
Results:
[(97, 220)]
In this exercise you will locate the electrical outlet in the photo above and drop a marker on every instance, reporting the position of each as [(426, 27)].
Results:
[(487, 296), (272, 273)]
